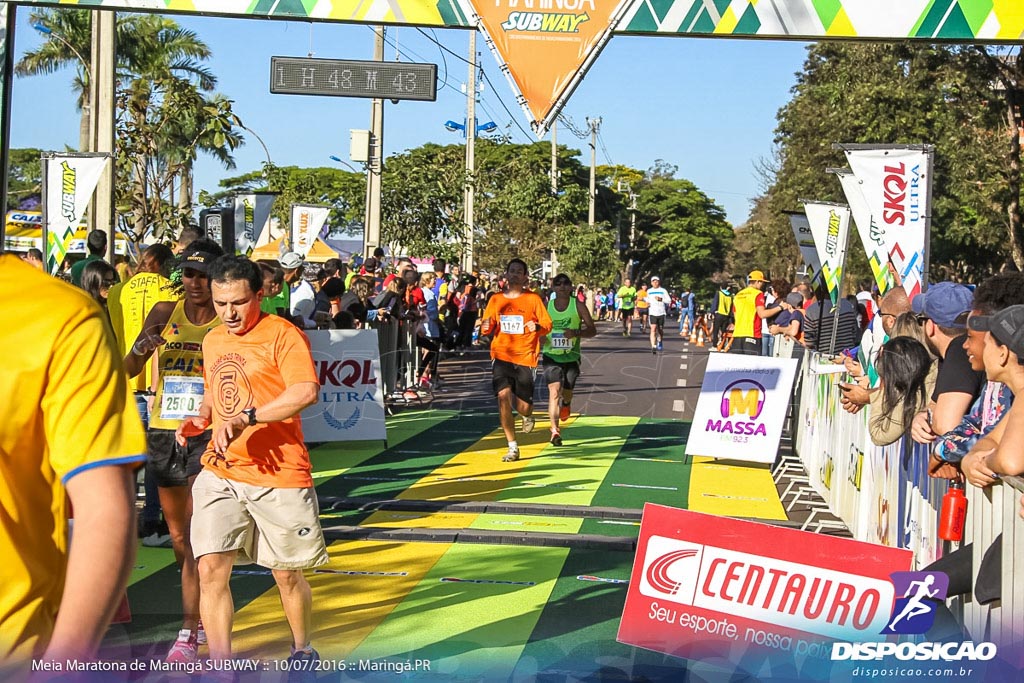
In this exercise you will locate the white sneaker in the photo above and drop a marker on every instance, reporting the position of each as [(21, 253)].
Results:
[(528, 423), (512, 455), (200, 633)]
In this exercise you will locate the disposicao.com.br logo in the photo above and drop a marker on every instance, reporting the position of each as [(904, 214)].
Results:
[(913, 613)]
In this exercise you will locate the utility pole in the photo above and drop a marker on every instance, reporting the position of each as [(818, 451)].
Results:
[(470, 192), (595, 125), (371, 231), (101, 121), (554, 187)]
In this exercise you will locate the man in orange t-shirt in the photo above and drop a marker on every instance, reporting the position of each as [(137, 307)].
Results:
[(519, 320), (255, 494)]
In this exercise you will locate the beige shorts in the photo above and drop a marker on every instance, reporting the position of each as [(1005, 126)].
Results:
[(277, 528)]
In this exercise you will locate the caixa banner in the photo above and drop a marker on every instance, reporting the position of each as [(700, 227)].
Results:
[(711, 588), (351, 405)]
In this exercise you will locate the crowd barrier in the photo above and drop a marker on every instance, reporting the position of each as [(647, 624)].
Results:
[(885, 496), (399, 357)]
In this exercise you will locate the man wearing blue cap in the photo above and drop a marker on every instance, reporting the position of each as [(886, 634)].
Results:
[(943, 311)]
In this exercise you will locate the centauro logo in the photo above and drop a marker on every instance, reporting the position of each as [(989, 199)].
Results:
[(69, 184), (549, 22), (787, 594)]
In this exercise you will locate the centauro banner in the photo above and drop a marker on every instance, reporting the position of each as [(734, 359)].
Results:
[(830, 225), (69, 182), (867, 228), (307, 224), (896, 187), (252, 212)]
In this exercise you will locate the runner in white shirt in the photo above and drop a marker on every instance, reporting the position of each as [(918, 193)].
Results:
[(658, 299)]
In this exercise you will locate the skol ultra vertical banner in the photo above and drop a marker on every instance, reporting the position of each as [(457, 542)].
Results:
[(895, 184), (307, 224), (351, 405), (867, 228), (742, 406), (70, 181), (546, 45), (805, 241), (830, 225), (252, 212)]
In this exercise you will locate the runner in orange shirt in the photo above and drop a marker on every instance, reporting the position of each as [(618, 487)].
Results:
[(255, 494), (519, 320)]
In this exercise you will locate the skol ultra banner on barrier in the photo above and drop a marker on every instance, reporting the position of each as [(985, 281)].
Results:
[(742, 407), (307, 224), (805, 241), (547, 45), (252, 213), (706, 587), (830, 225), (896, 185), (351, 405), (69, 182), (867, 228)]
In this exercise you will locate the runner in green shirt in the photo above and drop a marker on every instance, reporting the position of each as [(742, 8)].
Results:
[(627, 295)]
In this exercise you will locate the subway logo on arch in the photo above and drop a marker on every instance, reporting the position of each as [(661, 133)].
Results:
[(790, 595), (742, 403)]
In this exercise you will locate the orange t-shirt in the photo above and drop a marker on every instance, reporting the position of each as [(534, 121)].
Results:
[(512, 342), (250, 370)]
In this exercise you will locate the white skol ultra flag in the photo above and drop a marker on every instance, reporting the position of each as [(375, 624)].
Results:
[(252, 213), (867, 228), (830, 225), (307, 223), (70, 181), (805, 240), (895, 184)]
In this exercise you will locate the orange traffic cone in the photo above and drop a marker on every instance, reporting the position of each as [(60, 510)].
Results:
[(700, 338), (693, 336)]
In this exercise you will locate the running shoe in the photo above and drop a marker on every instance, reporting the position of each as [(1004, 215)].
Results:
[(185, 649), (528, 423), (302, 666), (563, 414), (654, 349), (556, 439), (659, 346), (157, 540), (512, 455), (200, 633)]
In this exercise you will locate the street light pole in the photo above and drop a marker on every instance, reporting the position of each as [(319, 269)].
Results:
[(371, 231), (467, 258), (102, 115), (87, 132), (595, 125)]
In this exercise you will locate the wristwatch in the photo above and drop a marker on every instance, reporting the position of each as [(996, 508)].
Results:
[(251, 414)]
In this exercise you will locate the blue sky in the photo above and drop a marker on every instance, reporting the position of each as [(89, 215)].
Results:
[(706, 105)]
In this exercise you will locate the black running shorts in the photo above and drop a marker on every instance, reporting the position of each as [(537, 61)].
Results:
[(170, 464), (518, 377), (564, 373)]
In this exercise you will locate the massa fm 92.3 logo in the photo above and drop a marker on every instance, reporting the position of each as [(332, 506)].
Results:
[(742, 403)]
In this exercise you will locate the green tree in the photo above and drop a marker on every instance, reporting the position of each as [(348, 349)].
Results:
[(588, 256), (24, 176), (891, 94)]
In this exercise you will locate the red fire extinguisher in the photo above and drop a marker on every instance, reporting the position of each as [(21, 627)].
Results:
[(954, 512)]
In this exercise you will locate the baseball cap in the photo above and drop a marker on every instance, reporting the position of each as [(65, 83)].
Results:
[(1007, 326), (655, 278), (946, 303), (370, 264), (199, 261), (756, 275), (795, 299), (291, 260)]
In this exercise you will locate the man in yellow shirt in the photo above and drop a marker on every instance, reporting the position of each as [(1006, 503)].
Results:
[(70, 431), (748, 309)]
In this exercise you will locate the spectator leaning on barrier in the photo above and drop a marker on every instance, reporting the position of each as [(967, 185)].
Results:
[(942, 311), (993, 295), (906, 380), (894, 306)]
